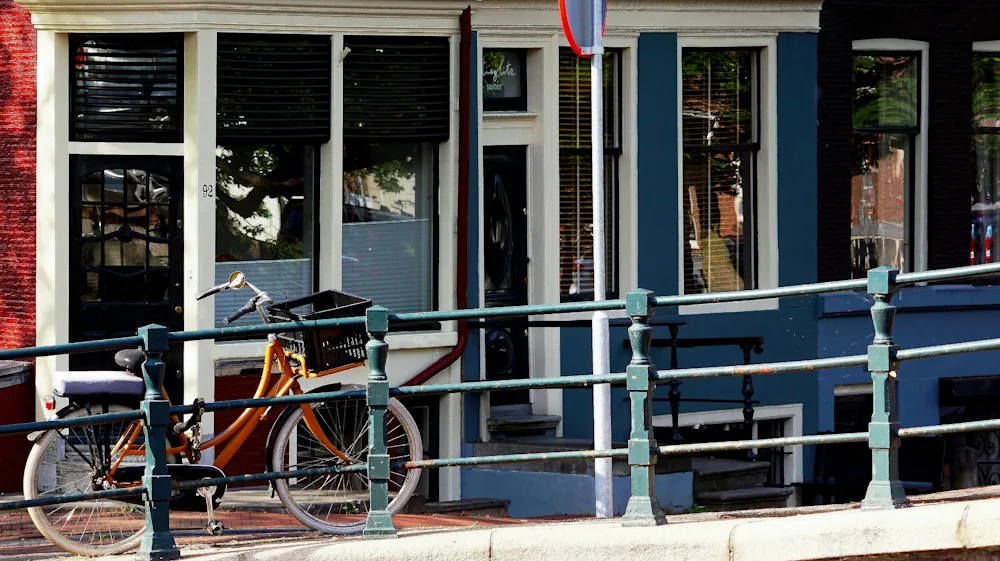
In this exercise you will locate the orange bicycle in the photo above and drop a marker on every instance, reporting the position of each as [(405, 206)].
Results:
[(316, 435)]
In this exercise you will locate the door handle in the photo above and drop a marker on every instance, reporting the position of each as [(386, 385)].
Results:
[(178, 309)]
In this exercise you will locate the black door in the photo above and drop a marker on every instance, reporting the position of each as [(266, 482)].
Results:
[(505, 261), (126, 254)]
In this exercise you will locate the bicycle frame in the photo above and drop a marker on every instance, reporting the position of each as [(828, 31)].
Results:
[(240, 430)]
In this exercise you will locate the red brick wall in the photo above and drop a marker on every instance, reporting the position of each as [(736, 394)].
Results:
[(250, 457), (17, 176)]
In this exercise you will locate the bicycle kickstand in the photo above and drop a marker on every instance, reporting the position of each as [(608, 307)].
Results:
[(214, 527)]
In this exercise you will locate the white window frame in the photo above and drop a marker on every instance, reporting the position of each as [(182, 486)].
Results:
[(791, 413), (766, 168), (919, 203)]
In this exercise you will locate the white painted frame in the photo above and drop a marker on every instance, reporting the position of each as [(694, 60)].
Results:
[(791, 413), (919, 203), (766, 166)]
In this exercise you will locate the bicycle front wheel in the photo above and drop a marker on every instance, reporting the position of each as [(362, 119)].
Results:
[(337, 503)]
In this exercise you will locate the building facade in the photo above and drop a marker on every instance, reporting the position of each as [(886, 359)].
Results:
[(430, 155)]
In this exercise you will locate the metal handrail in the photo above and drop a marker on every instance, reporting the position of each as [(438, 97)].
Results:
[(640, 378)]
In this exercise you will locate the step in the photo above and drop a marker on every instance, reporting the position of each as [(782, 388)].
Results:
[(496, 508), (581, 466), (743, 499), (715, 474), (514, 426)]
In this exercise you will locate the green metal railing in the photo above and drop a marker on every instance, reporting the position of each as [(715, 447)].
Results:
[(640, 378)]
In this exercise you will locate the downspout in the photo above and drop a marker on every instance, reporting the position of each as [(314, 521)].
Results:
[(461, 284)]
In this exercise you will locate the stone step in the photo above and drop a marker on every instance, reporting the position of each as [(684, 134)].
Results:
[(582, 466), (714, 474), (518, 426), (743, 499), (497, 508)]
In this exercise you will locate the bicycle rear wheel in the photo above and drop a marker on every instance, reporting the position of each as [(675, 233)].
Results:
[(70, 461), (338, 503)]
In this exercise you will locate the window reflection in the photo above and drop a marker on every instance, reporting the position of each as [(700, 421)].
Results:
[(265, 196), (388, 245)]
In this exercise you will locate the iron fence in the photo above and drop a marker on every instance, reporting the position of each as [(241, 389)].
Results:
[(640, 379)]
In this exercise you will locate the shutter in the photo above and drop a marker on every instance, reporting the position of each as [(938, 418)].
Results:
[(126, 88), (397, 88), (273, 87)]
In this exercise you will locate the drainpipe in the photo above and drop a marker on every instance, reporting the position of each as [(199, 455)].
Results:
[(461, 285)]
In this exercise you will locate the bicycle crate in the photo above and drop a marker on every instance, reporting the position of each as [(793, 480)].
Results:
[(329, 348)]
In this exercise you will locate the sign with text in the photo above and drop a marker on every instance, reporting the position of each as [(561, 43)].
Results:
[(579, 23), (504, 87)]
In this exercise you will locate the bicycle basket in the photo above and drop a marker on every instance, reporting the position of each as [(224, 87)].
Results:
[(328, 348)]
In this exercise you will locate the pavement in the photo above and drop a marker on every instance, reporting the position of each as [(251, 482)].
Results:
[(955, 525)]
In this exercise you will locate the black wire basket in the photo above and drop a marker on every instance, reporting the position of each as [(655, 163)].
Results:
[(332, 348)]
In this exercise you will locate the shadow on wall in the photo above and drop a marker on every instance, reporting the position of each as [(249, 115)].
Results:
[(17, 176)]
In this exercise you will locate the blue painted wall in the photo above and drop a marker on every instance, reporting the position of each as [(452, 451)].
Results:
[(790, 332), (926, 316)]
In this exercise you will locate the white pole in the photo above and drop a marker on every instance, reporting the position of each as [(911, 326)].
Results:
[(602, 362)]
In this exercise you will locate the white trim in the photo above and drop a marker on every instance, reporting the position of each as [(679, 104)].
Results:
[(920, 165), (331, 183), (792, 413), (852, 389), (986, 46), (51, 209), (126, 148), (767, 167)]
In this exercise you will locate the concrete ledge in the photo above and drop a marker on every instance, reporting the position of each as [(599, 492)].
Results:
[(936, 531)]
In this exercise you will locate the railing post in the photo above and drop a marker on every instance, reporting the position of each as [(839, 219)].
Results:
[(643, 509), (885, 491), (379, 524), (157, 543)]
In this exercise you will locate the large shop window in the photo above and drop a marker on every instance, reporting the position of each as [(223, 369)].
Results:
[(273, 112), (126, 87), (721, 141), (396, 113), (985, 229), (886, 121), (576, 219)]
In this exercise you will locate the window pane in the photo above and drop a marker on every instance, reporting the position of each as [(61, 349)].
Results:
[(574, 100), (719, 97), (388, 232), (880, 185), (264, 222), (719, 246), (985, 207), (576, 249), (886, 90), (986, 100)]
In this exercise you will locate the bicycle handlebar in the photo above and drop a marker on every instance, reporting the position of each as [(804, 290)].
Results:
[(246, 309), (212, 291)]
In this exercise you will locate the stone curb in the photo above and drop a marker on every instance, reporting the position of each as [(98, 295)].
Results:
[(830, 535)]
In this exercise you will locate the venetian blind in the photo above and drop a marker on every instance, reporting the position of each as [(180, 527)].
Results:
[(397, 88), (273, 87), (719, 92), (127, 88), (576, 244)]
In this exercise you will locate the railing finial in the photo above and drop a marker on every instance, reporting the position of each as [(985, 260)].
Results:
[(379, 523)]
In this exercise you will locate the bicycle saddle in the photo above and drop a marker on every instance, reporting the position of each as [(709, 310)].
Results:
[(131, 360)]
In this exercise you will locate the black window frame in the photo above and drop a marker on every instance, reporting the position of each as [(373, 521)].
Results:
[(909, 210), (614, 153), (752, 177)]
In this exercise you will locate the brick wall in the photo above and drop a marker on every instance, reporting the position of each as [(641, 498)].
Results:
[(17, 176), (251, 456), (950, 28)]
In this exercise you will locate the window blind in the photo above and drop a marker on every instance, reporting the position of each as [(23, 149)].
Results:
[(576, 244), (126, 87), (397, 88), (273, 87)]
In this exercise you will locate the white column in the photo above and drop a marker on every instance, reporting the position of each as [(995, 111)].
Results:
[(51, 208), (331, 181), (450, 437), (199, 218)]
